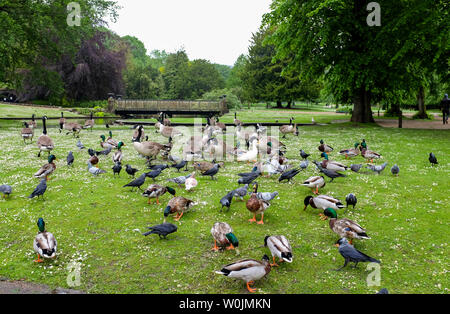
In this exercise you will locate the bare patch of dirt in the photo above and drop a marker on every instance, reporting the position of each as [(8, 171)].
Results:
[(414, 124), (22, 287)]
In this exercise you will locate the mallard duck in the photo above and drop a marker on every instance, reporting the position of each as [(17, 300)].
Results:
[(248, 270), (315, 183), (118, 155), (27, 133), (351, 152), (44, 244), (324, 148), (288, 129), (280, 247), (177, 205), (344, 227), (224, 237), (332, 165), (46, 169), (44, 142), (257, 206), (112, 141), (370, 155), (323, 202), (89, 124), (156, 191)]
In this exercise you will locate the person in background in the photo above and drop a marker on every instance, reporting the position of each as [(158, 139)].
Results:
[(445, 104)]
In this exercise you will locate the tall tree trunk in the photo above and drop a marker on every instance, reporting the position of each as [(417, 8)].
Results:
[(289, 104), (362, 112), (421, 102), (279, 104)]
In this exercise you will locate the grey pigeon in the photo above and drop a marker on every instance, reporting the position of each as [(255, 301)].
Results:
[(94, 170), (137, 183), (6, 190), (304, 164), (241, 192), (40, 189), (433, 159), (351, 200), (249, 178), (80, 145), (377, 168), (266, 196), (70, 159), (162, 230), (395, 170), (356, 168), (383, 291), (180, 180), (180, 165), (104, 152), (212, 172), (226, 200), (351, 254)]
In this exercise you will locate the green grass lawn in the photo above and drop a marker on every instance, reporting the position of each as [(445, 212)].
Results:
[(98, 223)]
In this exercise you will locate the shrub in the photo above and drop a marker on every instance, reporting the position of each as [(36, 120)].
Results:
[(233, 101)]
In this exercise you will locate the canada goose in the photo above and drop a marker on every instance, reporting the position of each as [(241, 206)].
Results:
[(44, 142), (89, 124), (27, 133)]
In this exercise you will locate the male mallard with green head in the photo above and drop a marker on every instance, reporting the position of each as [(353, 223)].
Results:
[(46, 169), (224, 237), (324, 148), (178, 205), (156, 191), (118, 155), (351, 152), (332, 165), (323, 202), (248, 270), (370, 155), (44, 243), (344, 227)]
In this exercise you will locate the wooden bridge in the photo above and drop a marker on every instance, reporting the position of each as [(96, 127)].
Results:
[(126, 108)]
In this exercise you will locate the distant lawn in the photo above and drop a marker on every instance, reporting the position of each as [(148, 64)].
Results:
[(98, 223)]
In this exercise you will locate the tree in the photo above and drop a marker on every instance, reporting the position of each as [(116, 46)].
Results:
[(203, 77), (332, 39), (176, 76)]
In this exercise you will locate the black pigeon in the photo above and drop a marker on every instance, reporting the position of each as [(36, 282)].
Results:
[(303, 154), (212, 172), (433, 159), (289, 175), (226, 200), (117, 168), (351, 254), (180, 165), (383, 291), (395, 170), (137, 183), (351, 200), (70, 159), (91, 152), (329, 173), (162, 230), (131, 171), (154, 174), (40, 189), (248, 179), (158, 167)]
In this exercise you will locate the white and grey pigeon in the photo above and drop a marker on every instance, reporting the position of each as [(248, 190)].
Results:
[(94, 170), (304, 165), (241, 192), (266, 196), (356, 168), (6, 190), (80, 145), (180, 180), (378, 169)]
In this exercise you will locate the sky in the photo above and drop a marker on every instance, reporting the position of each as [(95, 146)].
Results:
[(215, 30)]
